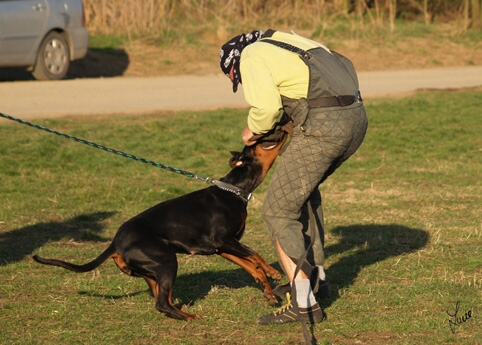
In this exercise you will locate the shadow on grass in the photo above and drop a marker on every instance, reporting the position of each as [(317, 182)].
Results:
[(16, 244), (369, 244), (191, 287)]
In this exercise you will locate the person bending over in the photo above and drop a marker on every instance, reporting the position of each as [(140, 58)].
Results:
[(284, 74)]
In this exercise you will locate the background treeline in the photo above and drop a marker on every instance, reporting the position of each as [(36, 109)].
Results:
[(161, 19)]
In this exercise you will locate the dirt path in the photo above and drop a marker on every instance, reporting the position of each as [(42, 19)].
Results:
[(137, 95)]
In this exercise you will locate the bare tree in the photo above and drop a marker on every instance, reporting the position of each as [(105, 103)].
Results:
[(392, 13), (476, 15)]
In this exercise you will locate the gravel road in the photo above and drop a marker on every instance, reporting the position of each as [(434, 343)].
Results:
[(124, 95)]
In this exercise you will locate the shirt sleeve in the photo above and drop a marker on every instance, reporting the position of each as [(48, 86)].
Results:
[(261, 93)]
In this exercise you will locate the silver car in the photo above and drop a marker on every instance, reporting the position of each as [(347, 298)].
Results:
[(43, 35)]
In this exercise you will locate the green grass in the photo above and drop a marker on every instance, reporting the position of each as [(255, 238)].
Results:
[(105, 41), (403, 220)]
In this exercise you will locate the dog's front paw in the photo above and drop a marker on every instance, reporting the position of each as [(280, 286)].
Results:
[(270, 297), (273, 273)]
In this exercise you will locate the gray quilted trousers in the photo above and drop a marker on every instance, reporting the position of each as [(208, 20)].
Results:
[(323, 139)]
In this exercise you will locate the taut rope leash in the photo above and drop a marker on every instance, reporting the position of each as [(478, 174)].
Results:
[(225, 186), (105, 148)]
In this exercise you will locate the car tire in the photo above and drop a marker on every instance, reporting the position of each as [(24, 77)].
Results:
[(53, 58)]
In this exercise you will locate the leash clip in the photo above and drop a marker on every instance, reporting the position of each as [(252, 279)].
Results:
[(204, 179)]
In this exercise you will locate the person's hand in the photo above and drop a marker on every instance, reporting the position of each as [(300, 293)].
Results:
[(247, 135)]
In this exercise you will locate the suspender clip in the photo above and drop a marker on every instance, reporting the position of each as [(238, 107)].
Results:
[(357, 95)]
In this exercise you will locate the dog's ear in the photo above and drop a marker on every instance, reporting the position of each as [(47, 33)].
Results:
[(237, 159)]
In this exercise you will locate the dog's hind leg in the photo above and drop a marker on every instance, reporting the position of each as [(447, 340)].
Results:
[(120, 262), (153, 286), (157, 264), (162, 289)]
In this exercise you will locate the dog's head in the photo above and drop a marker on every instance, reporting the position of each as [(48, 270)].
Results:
[(266, 148), (252, 164)]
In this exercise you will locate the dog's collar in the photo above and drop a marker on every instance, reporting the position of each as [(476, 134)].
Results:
[(246, 196)]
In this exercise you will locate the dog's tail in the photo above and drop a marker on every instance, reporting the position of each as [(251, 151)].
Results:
[(79, 268)]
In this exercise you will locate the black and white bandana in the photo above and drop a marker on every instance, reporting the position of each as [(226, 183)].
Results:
[(230, 55)]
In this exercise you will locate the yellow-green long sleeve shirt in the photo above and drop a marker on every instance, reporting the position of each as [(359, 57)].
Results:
[(267, 72)]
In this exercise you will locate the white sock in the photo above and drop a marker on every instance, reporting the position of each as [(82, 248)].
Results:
[(304, 293), (321, 272)]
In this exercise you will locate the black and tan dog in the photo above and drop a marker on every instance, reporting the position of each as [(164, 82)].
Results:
[(205, 222)]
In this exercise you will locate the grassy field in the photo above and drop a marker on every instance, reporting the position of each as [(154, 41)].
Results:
[(403, 218)]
